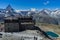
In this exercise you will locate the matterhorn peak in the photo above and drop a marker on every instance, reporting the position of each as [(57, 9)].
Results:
[(9, 8)]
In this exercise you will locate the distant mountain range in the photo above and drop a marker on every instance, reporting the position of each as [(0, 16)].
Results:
[(44, 15)]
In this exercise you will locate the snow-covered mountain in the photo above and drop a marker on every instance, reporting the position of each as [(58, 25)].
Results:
[(44, 15), (55, 13), (9, 11), (44, 12)]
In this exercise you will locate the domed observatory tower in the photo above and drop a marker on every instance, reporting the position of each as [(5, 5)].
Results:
[(13, 24)]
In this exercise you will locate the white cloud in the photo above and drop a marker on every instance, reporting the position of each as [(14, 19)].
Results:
[(46, 3), (56, 8), (17, 10), (33, 9)]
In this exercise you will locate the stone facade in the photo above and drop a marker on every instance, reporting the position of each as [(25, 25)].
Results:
[(18, 24)]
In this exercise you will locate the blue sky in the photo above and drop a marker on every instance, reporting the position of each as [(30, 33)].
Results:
[(27, 4)]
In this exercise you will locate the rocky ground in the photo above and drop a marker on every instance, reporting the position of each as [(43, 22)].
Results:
[(45, 27), (26, 35), (49, 27)]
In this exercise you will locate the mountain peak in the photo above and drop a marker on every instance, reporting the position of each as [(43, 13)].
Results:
[(9, 8)]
